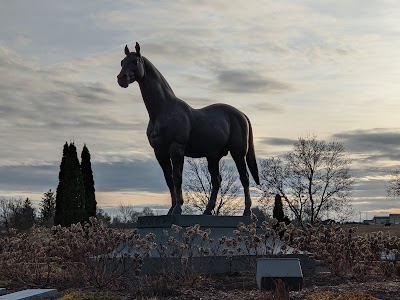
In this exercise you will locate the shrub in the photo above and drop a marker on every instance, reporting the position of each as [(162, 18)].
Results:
[(89, 255), (29, 258), (94, 255), (346, 253)]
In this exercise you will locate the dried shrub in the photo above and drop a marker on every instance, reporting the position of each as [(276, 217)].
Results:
[(280, 292), (345, 253), (89, 255), (177, 265), (29, 258), (94, 255), (397, 270)]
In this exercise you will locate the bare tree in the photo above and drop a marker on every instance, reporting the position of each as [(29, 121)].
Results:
[(128, 214), (314, 179), (16, 213), (147, 211), (393, 187), (6, 210), (197, 187)]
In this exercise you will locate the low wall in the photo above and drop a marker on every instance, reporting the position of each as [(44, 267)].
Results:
[(210, 265)]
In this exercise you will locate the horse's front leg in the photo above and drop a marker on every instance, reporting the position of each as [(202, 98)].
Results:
[(177, 154), (165, 162)]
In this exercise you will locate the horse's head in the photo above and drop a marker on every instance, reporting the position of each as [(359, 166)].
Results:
[(132, 67)]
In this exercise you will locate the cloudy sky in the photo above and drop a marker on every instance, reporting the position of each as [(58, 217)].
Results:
[(329, 68)]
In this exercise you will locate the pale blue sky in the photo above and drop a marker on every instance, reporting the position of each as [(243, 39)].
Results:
[(329, 68)]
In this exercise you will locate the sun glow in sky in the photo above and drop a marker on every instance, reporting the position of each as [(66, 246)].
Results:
[(329, 68)]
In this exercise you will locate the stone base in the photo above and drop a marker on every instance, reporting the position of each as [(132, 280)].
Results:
[(204, 221), (220, 226)]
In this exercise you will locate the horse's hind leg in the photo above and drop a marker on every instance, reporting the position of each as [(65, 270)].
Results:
[(213, 168), (165, 163), (177, 154), (240, 162)]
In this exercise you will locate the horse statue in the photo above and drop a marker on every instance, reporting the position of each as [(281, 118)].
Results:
[(176, 130)]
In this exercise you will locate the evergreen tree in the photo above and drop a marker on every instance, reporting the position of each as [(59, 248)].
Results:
[(23, 215), (60, 200), (70, 199), (279, 215), (47, 208), (28, 214), (278, 209), (87, 174)]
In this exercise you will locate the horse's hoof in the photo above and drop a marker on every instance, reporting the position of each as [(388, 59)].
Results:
[(247, 212), (177, 210), (207, 213)]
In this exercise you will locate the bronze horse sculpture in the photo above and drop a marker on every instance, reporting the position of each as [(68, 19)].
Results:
[(176, 130)]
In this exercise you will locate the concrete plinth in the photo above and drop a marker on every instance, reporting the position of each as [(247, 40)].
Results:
[(217, 261), (31, 294), (190, 220), (219, 226), (270, 270)]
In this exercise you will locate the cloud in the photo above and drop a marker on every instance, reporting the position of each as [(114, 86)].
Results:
[(267, 108), (136, 175), (240, 81), (375, 144), (274, 141), (28, 178), (43, 108), (58, 66), (375, 205)]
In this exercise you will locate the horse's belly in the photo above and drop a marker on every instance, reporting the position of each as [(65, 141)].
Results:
[(210, 147)]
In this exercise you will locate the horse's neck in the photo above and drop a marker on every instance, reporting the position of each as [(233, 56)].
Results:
[(156, 92)]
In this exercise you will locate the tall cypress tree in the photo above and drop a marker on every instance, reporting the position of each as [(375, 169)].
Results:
[(60, 200), (87, 173), (75, 191), (70, 199)]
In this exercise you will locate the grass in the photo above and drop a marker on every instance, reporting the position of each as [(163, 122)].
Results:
[(88, 296), (340, 296), (365, 229)]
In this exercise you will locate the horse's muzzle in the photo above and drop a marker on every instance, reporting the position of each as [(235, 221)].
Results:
[(123, 80)]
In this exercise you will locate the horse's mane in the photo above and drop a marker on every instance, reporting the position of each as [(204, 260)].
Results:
[(152, 69)]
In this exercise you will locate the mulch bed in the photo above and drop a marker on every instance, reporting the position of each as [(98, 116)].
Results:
[(244, 287)]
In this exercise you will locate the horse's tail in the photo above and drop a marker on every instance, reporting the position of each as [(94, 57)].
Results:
[(251, 156)]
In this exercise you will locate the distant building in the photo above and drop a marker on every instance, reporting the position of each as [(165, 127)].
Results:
[(368, 222), (391, 218), (380, 220), (394, 218)]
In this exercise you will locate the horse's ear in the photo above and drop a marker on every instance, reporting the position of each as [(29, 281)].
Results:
[(127, 50), (137, 47)]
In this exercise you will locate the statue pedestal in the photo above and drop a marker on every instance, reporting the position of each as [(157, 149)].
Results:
[(190, 220), (218, 261)]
